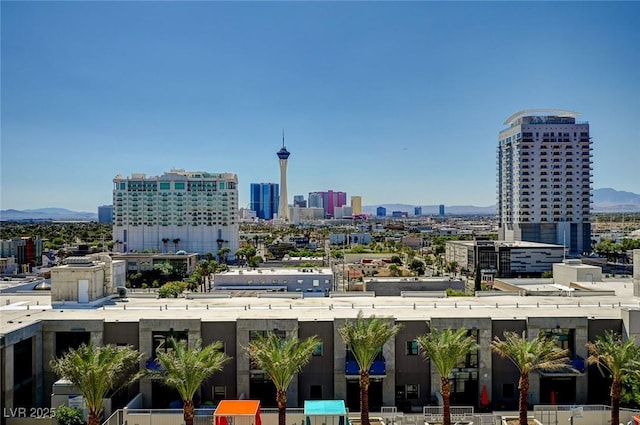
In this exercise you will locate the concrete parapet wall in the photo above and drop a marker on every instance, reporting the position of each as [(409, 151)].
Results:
[(422, 294), (279, 295), (498, 293), (352, 294)]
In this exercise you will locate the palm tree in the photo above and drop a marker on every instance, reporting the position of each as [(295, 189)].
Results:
[(446, 349), (185, 369), (205, 269), (365, 338), (540, 353), (165, 242), (618, 358), (281, 359), (176, 241), (222, 254), (96, 370)]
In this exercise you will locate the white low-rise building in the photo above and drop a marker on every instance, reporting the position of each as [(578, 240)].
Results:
[(87, 279), (312, 281), (574, 271)]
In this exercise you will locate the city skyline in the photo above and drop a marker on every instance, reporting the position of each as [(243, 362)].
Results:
[(393, 102)]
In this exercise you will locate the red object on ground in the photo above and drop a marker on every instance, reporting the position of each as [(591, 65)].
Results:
[(484, 397)]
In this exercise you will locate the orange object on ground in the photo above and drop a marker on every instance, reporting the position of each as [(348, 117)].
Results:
[(244, 412)]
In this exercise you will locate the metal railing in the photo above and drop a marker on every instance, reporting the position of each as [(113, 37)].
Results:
[(546, 414)]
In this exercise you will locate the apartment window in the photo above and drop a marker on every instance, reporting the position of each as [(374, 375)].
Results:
[(407, 392), (315, 392), (254, 334), (412, 348), (508, 391), (68, 340), (161, 343), (219, 392), (412, 391)]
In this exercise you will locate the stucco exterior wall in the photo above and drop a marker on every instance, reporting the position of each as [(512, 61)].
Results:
[(64, 282)]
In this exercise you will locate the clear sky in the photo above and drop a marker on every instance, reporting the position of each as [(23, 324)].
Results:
[(398, 102)]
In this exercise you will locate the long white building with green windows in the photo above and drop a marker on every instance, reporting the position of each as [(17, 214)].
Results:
[(193, 211)]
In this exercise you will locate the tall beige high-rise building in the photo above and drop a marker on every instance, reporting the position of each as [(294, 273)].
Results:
[(356, 205), (194, 211), (283, 205), (544, 179)]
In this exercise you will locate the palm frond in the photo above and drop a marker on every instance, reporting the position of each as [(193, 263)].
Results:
[(366, 336), (281, 358), (96, 370), (614, 356), (446, 348), (541, 353), (185, 369)]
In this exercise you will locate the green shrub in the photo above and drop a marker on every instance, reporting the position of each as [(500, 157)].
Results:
[(172, 289), (69, 416), (455, 293)]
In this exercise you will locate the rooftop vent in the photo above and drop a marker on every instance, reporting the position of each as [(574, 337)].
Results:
[(78, 260)]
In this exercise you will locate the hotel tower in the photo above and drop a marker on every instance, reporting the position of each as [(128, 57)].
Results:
[(544, 179)]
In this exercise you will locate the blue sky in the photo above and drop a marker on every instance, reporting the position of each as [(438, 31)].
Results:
[(398, 102)]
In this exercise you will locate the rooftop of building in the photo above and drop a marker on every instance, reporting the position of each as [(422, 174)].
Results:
[(179, 172), (513, 244), (19, 310), (279, 271), (423, 279), (557, 113)]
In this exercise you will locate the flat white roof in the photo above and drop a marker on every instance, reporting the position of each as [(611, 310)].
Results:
[(284, 271), (540, 112)]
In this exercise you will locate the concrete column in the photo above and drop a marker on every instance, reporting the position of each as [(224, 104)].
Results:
[(340, 357), (36, 344), (389, 382), (631, 321), (8, 383), (582, 381), (484, 357)]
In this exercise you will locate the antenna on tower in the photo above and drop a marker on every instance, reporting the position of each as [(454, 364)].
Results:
[(283, 137)]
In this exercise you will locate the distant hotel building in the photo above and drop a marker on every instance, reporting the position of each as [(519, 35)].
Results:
[(544, 179), (105, 214), (298, 201), (381, 212), (194, 211), (315, 200), (417, 211), (441, 210), (264, 200), (328, 200), (356, 205)]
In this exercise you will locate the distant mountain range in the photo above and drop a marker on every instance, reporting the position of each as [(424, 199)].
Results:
[(47, 214), (604, 200), (431, 209)]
